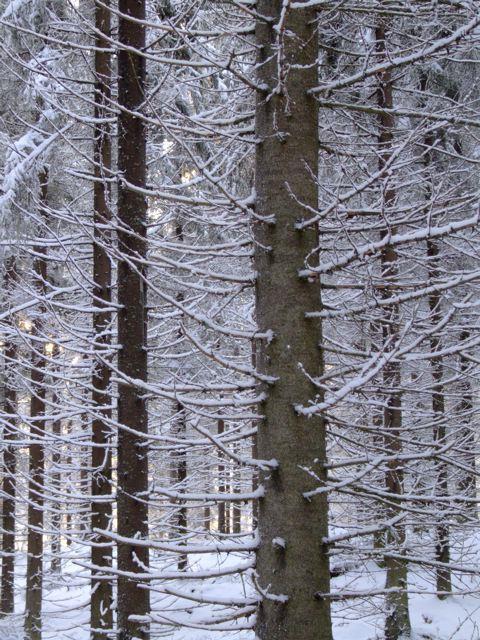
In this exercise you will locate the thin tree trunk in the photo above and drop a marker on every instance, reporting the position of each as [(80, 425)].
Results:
[(254, 449), (292, 562), (84, 487), (9, 461), (442, 533), (236, 506), (33, 598), (207, 511), (397, 619), (56, 564), (442, 545), (222, 507), (132, 329), (379, 536), (179, 476), (467, 486), (68, 464), (179, 456)]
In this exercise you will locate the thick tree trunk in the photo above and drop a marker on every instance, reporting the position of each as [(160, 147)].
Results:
[(9, 460), (101, 608), (132, 329), (292, 562), (397, 619), (33, 597)]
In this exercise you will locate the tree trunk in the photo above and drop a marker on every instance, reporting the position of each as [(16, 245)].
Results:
[(254, 450), (101, 611), (132, 329), (467, 486), (101, 607), (9, 460), (55, 564), (223, 521), (442, 533), (69, 508), (397, 619), (442, 545), (179, 476), (292, 561), (33, 598), (236, 488), (379, 537)]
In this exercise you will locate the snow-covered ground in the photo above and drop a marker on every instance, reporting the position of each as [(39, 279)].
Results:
[(66, 605)]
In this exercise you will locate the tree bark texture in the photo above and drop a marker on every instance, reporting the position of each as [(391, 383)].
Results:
[(132, 359), (7, 604), (292, 562), (397, 619), (36, 484), (101, 608)]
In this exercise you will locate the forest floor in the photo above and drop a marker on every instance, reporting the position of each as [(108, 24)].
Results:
[(66, 605)]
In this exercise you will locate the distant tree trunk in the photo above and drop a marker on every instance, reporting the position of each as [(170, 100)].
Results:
[(467, 486), (9, 459), (397, 619), (207, 517), (68, 464), (207, 511), (33, 598), (179, 476), (132, 329), (286, 171), (84, 510), (254, 449), (179, 456), (442, 546), (223, 521), (57, 486), (442, 533), (379, 536), (237, 506)]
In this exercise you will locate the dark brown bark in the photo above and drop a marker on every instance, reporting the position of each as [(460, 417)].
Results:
[(292, 561), (33, 597), (9, 460), (397, 620), (132, 357), (101, 612)]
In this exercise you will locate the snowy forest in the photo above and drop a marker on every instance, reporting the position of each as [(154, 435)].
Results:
[(239, 319)]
